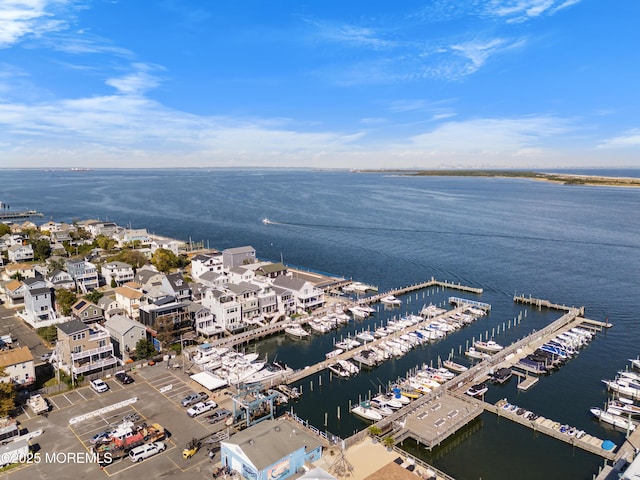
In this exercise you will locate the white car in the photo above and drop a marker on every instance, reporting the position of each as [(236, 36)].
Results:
[(99, 385), (145, 451), (201, 407)]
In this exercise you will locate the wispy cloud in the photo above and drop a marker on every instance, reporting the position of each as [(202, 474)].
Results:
[(24, 18), (137, 82), (630, 138), (517, 11), (351, 35)]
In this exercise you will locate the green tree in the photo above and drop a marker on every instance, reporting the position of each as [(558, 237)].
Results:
[(114, 284), (41, 249), (50, 333), (94, 296), (132, 257), (4, 229), (7, 396), (65, 298), (388, 441), (164, 260), (144, 349), (105, 243), (17, 276), (55, 265)]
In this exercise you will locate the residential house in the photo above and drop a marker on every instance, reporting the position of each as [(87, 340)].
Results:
[(240, 274), (129, 299), (213, 279), (84, 273), (286, 300), (203, 320), (233, 257), (125, 334), (14, 292), (166, 316), (61, 279), (59, 237), (5, 242), (225, 307), (18, 366), (271, 449), (20, 253), (24, 270), (272, 270), (173, 246), (83, 349), (87, 312), (206, 262), (148, 275), (246, 294), (308, 297), (110, 307), (106, 229), (174, 284), (50, 227), (137, 236), (267, 298), (118, 272), (39, 301)]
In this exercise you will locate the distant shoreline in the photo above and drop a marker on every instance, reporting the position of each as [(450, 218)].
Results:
[(562, 178)]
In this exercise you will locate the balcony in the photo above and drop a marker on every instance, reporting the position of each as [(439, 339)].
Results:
[(93, 351), (108, 362)]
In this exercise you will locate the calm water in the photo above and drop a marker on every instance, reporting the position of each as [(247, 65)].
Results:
[(571, 244)]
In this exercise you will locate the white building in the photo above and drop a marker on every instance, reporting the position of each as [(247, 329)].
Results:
[(206, 262), (119, 271)]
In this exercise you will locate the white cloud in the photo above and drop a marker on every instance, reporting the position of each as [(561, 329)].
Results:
[(630, 138), (137, 82), (516, 11), (352, 35), (21, 18)]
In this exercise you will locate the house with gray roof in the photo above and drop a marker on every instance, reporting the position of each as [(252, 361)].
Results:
[(308, 297), (20, 253), (118, 272), (232, 257), (61, 279), (206, 262), (271, 449), (175, 284), (125, 334)]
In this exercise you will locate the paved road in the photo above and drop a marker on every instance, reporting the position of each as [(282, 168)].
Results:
[(24, 335)]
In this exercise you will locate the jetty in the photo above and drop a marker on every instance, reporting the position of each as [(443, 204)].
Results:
[(7, 215)]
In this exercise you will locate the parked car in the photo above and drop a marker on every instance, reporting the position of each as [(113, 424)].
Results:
[(98, 437), (218, 415), (201, 407), (123, 378), (45, 357), (99, 385), (194, 398), (147, 450)]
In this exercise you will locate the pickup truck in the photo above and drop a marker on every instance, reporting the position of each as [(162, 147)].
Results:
[(201, 407), (218, 415)]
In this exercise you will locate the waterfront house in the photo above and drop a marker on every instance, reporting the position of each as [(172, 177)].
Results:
[(83, 349), (271, 449), (84, 273), (233, 257), (203, 320), (286, 300), (206, 262), (173, 246), (20, 253), (271, 270), (308, 297), (87, 312), (18, 366), (138, 236), (175, 284), (97, 228), (119, 272), (125, 334), (246, 295), (128, 299), (225, 306), (267, 298)]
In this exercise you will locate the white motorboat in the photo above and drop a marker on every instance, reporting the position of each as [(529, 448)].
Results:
[(269, 371), (388, 401), (297, 331), (473, 353), (613, 419), (624, 387), (623, 406), (358, 312), (365, 336), (364, 410), (381, 407), (333, 353), (339, 370), (319, 326), (391, 301), (350, 367), (489, 346), (477, 390), (635, 362), (348, 344)]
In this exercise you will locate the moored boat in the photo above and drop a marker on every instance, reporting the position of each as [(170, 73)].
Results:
[(454, 367), (364, 410)]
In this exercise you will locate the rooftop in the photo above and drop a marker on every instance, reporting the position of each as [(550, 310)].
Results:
[(15, 356)]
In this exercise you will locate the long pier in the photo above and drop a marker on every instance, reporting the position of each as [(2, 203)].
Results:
[(6, 215)]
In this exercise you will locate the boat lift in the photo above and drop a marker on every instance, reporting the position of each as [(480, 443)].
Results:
[(250, 400)]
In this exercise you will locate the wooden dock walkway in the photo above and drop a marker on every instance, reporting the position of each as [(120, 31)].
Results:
[(537, 302)]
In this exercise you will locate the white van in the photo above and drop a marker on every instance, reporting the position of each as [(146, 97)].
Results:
[(145, 451)]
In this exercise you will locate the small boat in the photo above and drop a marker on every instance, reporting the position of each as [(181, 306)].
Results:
[(391, 301), (297, 331), (473, 353), (364, 410), (454, 367), (623, 406), (478, 390), (365, 336), (615, 420), (333, 353), (489, 346), (501, 375), (635, 362), (291, 392)]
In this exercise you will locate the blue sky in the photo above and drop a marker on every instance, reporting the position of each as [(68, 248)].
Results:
[(357, 84)]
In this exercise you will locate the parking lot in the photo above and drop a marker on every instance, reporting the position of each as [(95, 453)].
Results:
[(65, 448)]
